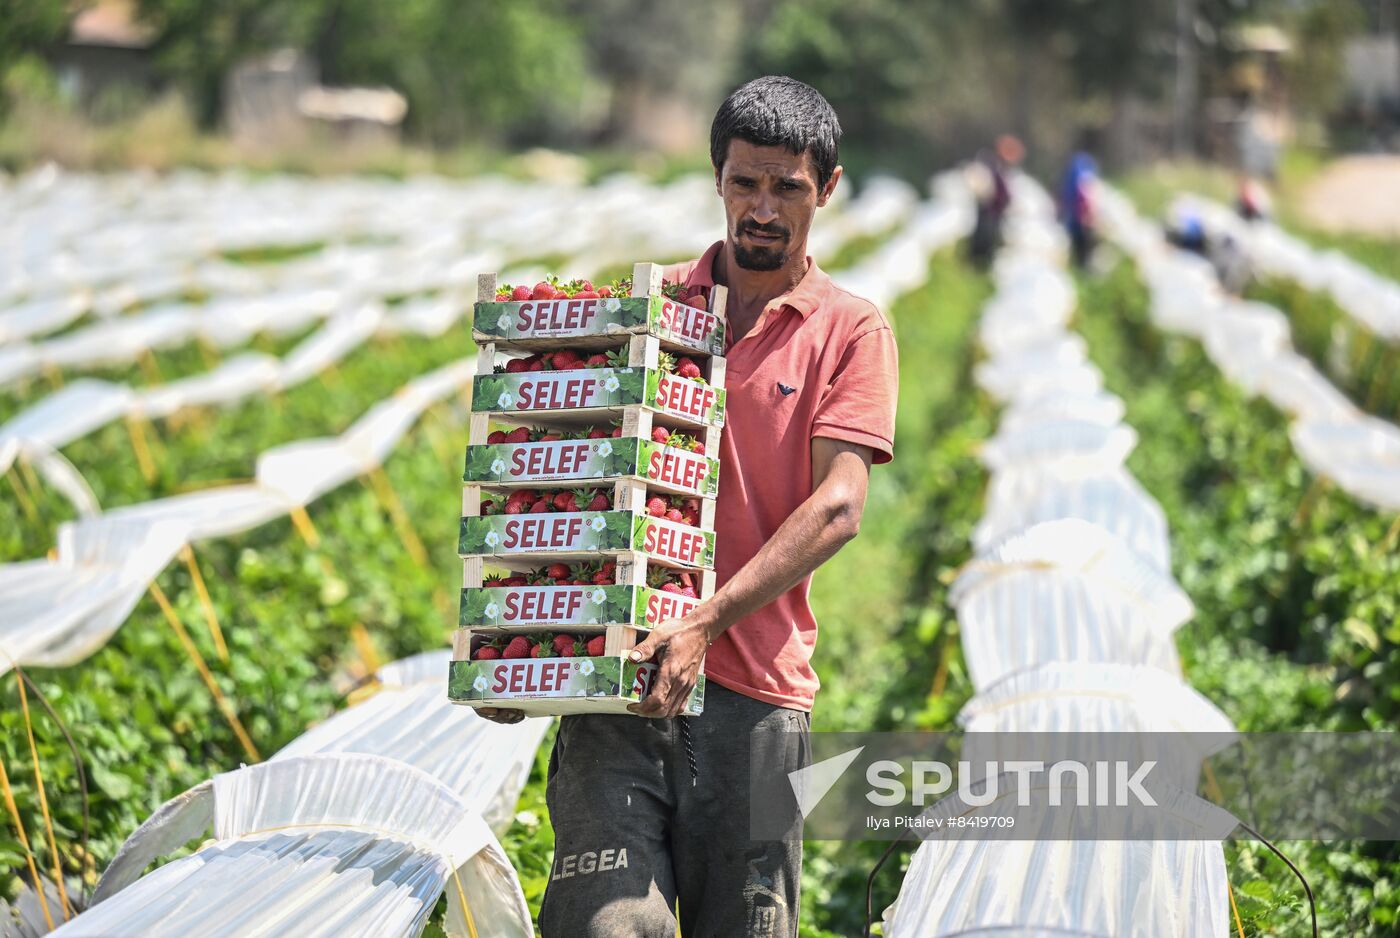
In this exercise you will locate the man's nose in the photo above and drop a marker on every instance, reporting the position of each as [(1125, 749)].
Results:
[(765, 209)]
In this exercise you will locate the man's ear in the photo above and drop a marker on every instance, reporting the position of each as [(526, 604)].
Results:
[(719, 190), (825, 195)]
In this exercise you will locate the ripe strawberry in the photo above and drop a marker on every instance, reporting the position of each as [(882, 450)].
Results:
[(602, 579), (550, 438), (518, 647), (516, 580), (597, 360), (520, 293), (660, 434), (697, 298), (670, 588), (674, 514), (689, 591), (486, 506), (597, 645), (516, 365), (617, 432), (565, 501), (656, 506), (521, 496), (540, 651), (599, 502), (605, 291), (698, 448), (487, 653), (690, 517), (597, 433), (557, 570), (686, 368), (542, 291), (609, 567), (586, 295), (540, 506), (564, 646), (496, 436), (586, 284), (516, 508), (518, 435)]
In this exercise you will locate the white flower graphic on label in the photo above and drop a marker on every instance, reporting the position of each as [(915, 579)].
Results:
[(506, 400), (481, 683), (603, 449), (491, 611), (612, 304), (585, 668), (503, 323), (598, 523), (598, 596), (610, 383), (492, 539), (498, 466)]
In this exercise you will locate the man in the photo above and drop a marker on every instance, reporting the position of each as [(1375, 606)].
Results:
[(651, 815)]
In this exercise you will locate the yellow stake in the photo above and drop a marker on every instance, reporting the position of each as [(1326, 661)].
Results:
[(187, 553), (1391, 536), (43, 799), (54, 376), (390, 499), (302, 521), (24, 842), (229, 713), (22, 497), (364, 645), (150, 367), (135, 428)]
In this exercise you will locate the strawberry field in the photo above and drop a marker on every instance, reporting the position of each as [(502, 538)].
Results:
[(1297, 622)]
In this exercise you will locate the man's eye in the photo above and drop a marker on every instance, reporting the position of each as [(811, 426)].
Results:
[(789, 186), (744, 183)]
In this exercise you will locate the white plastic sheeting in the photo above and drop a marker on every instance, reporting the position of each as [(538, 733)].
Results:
[(1080, 888), (314, 845), (57, 612), (411, 720), (1368, 297), (1066, 615), (1251, 345)]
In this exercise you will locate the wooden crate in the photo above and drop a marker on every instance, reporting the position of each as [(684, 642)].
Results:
[(535, 325)]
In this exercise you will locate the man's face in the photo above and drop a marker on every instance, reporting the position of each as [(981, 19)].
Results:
[(770, 196)]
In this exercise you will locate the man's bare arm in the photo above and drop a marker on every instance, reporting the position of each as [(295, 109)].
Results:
[(810, 536)]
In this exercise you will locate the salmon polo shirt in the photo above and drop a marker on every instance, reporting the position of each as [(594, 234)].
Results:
[(820, 362)]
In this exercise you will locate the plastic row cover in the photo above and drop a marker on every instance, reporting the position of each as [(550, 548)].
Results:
[(1250, 344), (57, 612), (1066, 616), (1368, 297), (314, 845)]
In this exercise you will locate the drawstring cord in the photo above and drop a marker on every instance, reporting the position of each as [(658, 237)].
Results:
[(689, 750)]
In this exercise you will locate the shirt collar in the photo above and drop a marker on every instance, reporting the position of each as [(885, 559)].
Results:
[(806, 297)]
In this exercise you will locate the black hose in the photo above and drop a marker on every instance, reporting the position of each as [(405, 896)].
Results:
[(1312, 903), (870, 882)]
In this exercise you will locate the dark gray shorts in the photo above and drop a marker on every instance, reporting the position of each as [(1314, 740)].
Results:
[(644, 824)]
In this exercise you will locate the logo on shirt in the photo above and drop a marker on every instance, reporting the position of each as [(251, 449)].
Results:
[(785, 389)]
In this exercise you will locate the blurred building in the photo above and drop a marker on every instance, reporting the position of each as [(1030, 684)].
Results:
[(277, 97), (107, 51)]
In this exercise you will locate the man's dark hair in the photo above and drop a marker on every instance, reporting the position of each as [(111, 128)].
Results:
[(777, 111)]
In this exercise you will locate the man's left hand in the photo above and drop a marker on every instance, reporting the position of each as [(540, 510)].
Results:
[(678, 645)]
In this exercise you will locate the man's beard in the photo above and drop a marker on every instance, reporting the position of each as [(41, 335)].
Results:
[(760, 258)]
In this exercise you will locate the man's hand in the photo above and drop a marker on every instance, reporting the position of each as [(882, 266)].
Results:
[(679, 647), (501, 714)]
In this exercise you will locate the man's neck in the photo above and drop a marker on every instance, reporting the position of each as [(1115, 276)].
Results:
[(751, 290)]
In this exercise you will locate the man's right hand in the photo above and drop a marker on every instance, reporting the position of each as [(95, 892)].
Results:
[(501, 715)]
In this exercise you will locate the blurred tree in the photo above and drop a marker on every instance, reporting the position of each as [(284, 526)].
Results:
[(27, 27), (476, 68)]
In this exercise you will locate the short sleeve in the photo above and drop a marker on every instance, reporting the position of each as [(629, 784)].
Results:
[(858, 404)]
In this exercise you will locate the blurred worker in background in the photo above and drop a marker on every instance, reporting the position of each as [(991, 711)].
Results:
[(988, 178), (1076, 206), (1251, 198)]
